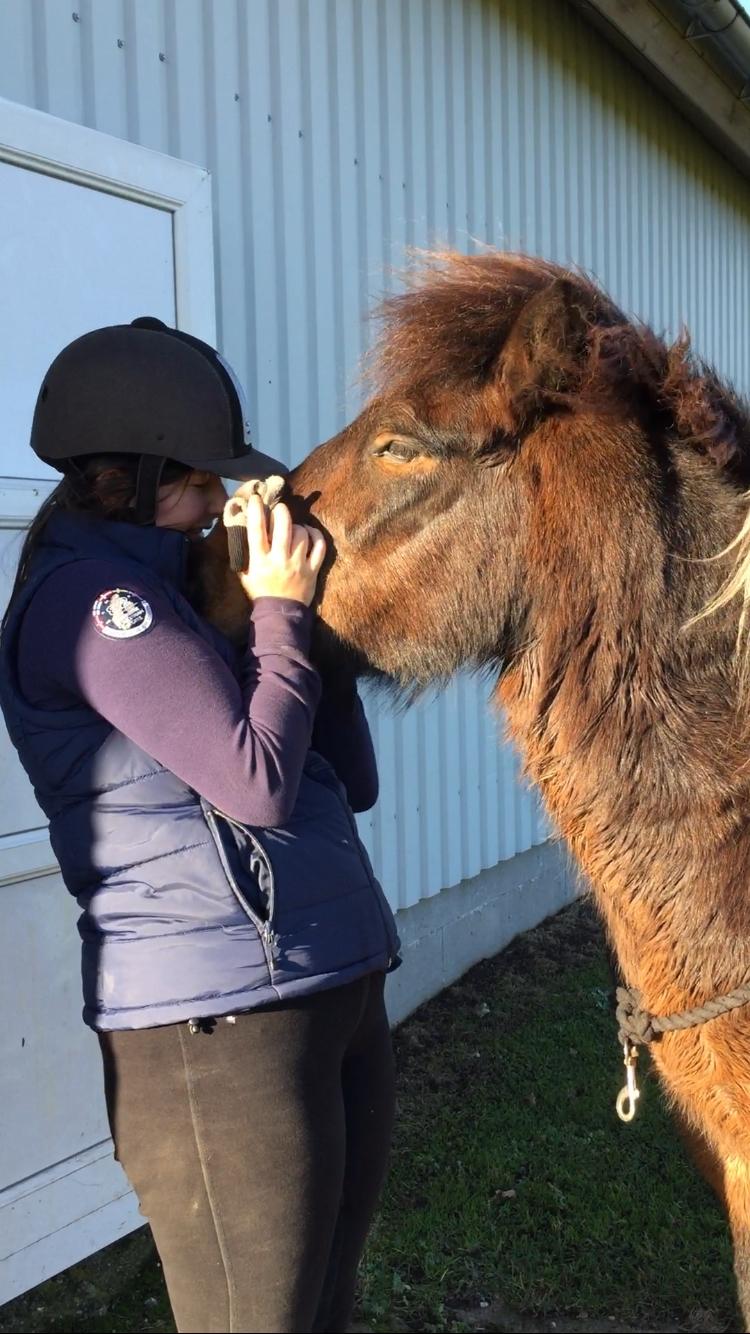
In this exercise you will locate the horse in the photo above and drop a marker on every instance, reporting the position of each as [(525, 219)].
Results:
[(537, 489)]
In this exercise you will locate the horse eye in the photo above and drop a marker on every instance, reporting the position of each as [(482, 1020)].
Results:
[(398, 449)]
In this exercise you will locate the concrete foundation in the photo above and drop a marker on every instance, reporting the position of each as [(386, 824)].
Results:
[(444, 936)]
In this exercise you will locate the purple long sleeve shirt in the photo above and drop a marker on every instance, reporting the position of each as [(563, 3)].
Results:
[(240, 740)]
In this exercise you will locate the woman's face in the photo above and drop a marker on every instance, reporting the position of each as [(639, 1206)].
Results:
[(190, 506)]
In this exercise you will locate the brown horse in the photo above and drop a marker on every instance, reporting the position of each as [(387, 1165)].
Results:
[(534, 488)]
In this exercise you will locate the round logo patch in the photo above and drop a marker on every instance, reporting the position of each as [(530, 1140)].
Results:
[(120, 614)]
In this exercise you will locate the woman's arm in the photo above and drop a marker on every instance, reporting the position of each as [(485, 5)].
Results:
[(342, 735), (242, 747)]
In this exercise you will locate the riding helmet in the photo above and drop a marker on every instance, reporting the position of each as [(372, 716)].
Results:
[(151, 391)]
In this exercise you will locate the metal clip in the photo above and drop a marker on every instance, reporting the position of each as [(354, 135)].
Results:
[(205, 1025), (629, 1095)]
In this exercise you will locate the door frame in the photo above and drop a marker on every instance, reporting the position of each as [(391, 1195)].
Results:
[(75, 1206), (36, 141), (40, 142)]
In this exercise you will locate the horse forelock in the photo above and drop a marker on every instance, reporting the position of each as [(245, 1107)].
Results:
[(454, 326), (449, 325)]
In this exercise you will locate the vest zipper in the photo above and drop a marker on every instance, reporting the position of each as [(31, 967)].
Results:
[(268, 937)]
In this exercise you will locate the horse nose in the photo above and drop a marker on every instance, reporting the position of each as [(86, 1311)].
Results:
[(298, 506)]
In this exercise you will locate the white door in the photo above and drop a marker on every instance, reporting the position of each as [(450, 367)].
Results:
[(93, 231)]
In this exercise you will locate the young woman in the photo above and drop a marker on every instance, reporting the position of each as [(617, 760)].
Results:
[(235, 941)]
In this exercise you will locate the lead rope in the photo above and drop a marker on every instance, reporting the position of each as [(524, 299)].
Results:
[(638, 1028)]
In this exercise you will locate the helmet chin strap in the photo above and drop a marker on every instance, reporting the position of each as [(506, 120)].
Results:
[(146, 486), (76, 478)]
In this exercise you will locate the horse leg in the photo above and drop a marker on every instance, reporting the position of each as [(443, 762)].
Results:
[(737, 1195), (701, 1153), (730, 1179)]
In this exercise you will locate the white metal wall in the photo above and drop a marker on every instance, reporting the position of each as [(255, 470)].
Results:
[(340, 132)]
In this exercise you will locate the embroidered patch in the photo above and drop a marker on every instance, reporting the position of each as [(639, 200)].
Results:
[(120, 614)]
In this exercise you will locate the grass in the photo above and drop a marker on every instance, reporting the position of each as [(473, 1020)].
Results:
[(514, 1190)]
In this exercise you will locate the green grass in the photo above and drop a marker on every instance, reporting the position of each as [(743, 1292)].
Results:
[(511, 1176), (509, 1082)]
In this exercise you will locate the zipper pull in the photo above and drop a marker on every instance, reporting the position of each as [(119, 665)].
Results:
[(270, 939)]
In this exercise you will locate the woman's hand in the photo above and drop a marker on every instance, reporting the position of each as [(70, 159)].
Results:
[(285, 557)]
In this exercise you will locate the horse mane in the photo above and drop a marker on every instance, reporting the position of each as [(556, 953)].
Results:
[(451, 327)]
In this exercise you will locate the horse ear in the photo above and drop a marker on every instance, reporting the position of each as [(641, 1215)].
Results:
[(708, 416), (541, 357)]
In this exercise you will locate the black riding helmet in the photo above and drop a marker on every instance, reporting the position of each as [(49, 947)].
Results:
[(151, 391)]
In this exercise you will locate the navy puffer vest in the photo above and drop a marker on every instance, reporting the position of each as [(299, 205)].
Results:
[(185, 912)]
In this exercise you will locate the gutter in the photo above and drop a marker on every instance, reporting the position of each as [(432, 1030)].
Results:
[(719, 30), (697, 52)]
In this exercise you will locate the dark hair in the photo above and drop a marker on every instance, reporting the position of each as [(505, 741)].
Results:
[(101, 485)]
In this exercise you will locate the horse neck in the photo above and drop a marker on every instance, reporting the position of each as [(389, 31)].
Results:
[(630, 727)]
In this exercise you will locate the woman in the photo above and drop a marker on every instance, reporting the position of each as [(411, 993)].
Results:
[(235, 941)]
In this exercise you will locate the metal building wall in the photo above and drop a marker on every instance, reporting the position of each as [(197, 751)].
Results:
[(341, 132)]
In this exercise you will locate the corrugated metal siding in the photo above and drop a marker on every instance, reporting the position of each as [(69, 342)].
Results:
[(340, 132)]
